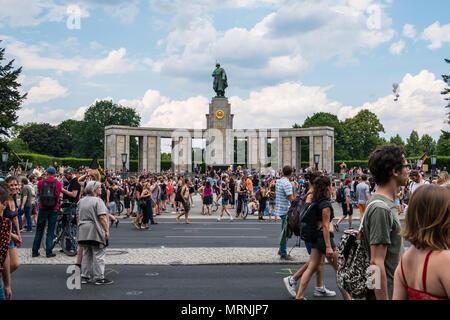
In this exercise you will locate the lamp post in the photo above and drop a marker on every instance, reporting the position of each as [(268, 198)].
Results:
[(433, 165), (124, 162), (5, 155), (316, 160)]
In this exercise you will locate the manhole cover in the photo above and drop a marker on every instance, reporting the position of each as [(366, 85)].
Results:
[(133, 293), (115, 252), (152, 274)]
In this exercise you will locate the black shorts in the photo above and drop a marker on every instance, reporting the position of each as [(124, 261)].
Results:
[(320, 245), (344, 210), (208, 200), (127, 202)]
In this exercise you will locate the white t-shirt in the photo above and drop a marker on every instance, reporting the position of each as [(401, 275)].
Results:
[(414, 185)]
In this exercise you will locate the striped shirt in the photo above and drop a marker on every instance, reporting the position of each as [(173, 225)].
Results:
[(283, 191)]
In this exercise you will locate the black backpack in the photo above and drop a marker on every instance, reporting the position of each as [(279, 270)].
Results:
[(308, 222), (47, 196), (293, 214), (340, 195)]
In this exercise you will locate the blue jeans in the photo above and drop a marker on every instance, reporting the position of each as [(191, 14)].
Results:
[(48, 216), (283, 245), (27, 212)]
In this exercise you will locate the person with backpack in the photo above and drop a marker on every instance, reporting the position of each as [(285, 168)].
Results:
[(347, 209), (49, 193), (183, 197), (381, 226), (291, 281), (272, 197), (225, 194), (322, 241)]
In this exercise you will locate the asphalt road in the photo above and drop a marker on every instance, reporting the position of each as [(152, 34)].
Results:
[(237, 282)]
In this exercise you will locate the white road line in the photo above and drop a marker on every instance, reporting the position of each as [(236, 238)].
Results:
[(216, 228), (233, 237)]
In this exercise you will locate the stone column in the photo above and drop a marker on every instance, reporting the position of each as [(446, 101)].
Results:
[(287, 151), (158, 153), (127, 151), (311, 151), (143, 153), (152, 154), (294, 152)]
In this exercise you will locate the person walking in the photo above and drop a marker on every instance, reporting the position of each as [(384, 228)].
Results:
[(272, 197), (284, 197), (423, 270), (225, 194), (207, 194), (362, 195), (93, 234), (5, 238), (26, 197), (347, 209), (184, 200), (381, 226), (324, 244)]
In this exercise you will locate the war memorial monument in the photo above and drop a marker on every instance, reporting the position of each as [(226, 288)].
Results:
[(219, 134)]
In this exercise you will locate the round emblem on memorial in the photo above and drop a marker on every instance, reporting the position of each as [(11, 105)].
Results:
[(220, 114)]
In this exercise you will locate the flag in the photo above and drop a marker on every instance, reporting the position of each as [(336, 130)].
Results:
[(422, 160), (95, 164)]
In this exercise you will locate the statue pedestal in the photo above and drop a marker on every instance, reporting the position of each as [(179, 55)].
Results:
[(219, 133)]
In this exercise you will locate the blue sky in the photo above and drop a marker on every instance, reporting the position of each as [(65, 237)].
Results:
[(285, 59)]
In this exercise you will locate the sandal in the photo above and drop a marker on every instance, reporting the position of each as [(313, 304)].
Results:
[(117, 222)]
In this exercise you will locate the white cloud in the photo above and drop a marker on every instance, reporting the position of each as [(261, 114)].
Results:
[(300, 33), (437, 35), (396, 48), (409, 31), (48, 89), (32, 57), (420, 107)]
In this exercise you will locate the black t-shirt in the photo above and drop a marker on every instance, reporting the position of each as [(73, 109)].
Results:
[(72, 185), (322, 205), (139, 189), (132, 187), (103, 196)]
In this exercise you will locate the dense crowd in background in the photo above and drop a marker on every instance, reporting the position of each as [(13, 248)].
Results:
[(145, 196)]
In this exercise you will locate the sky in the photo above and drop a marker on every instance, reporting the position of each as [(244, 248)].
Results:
[(285, 59)]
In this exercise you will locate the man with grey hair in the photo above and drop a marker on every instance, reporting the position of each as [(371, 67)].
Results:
[(93, 234)]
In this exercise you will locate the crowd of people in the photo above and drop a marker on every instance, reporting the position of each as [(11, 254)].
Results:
[(34, 199)]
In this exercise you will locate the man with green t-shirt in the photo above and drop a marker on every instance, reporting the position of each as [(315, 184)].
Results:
[(381, 226)]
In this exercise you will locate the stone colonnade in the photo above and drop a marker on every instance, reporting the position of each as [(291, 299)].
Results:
[(285, 147)]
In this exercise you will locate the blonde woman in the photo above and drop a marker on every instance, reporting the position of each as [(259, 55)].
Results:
[(443, 179)]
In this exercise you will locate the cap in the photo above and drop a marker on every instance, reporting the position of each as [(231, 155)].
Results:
[(68, 170), (347, 181), (51, 170), (414, 173)]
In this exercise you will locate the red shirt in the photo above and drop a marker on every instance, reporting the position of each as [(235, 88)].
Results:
[(58, 190)]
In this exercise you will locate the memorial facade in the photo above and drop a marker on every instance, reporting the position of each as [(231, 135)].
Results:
[(252, 149), (225, 146)]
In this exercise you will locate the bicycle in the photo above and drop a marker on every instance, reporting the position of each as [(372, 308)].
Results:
[(215, 206), (66, 231), (244, 208)]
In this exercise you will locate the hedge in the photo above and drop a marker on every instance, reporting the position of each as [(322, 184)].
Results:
[(45, 161), (441, 162)]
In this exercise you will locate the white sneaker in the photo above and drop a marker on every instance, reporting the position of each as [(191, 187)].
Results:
[(324, 292), (219, 219), (290, 285)]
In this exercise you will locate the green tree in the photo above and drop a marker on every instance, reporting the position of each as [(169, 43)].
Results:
[(413, 146), (105, 113), (362, 134), (10, 97), (325, 119), (18, 146), (82, 133), (427, 144), (446, 91), (46, 139), (397, 140), (443, 144)]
